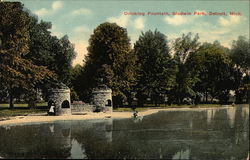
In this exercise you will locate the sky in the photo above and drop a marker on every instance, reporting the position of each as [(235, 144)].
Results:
[(78, 19)]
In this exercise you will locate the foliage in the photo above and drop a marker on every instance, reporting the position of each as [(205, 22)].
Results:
[(156, 68), (111, 59), (16, 70), (216, 74), (45, 49), (185, 45), (187, 75), (75, 84), (240, 55)]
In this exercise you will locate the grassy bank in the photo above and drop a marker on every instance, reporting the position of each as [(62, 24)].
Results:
[(21, 110), (151, 106), (22, 105)]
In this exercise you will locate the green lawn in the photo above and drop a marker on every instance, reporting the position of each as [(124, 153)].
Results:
[(151, 106), (21, 110), (5, 105)]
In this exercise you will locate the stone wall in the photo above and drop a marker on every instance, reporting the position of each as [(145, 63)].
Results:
[(81, 107)]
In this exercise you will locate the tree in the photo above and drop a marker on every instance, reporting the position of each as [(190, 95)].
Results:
[(45, 49), (156, 68), (216, 74), (75, 81), (185, 45), (240, 56), (186, 76), (15, 70), (109, 58)]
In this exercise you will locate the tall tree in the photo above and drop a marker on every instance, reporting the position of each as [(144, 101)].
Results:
[(185, 45), (186, 76), (240, 55), (216, 74), (75, 81), (156, 68), (45, 49), (15, 70), (109, 58)]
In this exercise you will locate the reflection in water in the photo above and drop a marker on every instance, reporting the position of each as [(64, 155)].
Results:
[(77, 151), (182, 154), (231, 115), (210, 115), (208, 134), (51, 127)]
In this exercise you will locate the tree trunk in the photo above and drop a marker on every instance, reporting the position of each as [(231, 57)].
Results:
[(130, 101), (212, 98), (248, 97), (156, 102), (140, 100), (206, 96), (11, 104)]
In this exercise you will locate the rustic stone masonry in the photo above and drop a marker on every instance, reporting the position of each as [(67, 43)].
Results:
[(102, 98), (60, 96), (79, 106)]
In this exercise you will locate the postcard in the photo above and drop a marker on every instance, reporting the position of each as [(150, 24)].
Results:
[(106, 79)]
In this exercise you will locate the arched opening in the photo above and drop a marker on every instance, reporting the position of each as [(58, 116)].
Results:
[(109, 102), (65, 104)]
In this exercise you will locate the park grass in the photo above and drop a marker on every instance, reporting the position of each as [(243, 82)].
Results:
[(22, 105), (130, 109), (162, 106), (21, 110)]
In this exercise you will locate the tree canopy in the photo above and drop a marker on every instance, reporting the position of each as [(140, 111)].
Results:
[(240, 53), (110, 58), (156, 68), (186, 77), (47, 50), (30, 56), (215, 73), (16, 70), (240, 56)]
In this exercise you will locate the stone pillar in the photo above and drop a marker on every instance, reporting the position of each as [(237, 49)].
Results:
[(102, 97), (61, 98)]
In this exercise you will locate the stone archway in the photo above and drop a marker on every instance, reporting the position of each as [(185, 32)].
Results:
[(109, 103), (65, 104)]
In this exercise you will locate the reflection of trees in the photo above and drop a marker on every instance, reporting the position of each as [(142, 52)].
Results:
[(33, 141), (94, 138), (164, 135), (222, 136)]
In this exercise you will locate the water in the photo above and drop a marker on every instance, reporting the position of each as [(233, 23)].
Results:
[(208, 134)]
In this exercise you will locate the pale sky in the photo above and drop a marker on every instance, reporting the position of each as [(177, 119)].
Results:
[(78, 19)]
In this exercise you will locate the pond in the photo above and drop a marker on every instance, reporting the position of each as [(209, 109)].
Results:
[(196, 134)]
